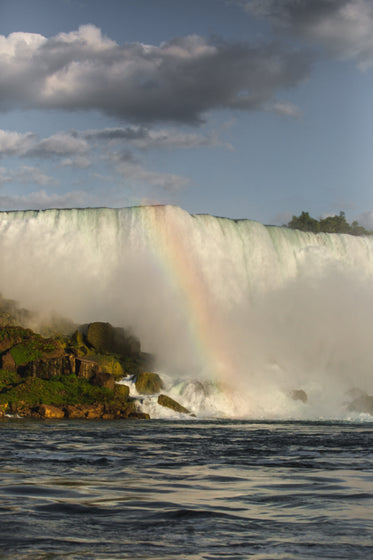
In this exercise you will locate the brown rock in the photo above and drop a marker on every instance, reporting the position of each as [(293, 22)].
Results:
[(49, 411), (103, 379), (74, 412), (47, 368), (13, 336), (85, 368), (88, 411), (139, 415), (8, 363)]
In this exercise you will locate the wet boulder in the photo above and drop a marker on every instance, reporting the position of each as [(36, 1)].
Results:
[(166, 401), (363, 403), (106, 339), (148, 383), (299, 395), (121, 392)]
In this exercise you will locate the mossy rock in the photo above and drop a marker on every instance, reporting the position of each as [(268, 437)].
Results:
[(362, 404), (166, 401), (101, 336), (77, 345), (106, 339), (11, 336), (148, 383), (299, 395), (109, 364), (67, 389), (121, 392), (36, 348), (103, 379)]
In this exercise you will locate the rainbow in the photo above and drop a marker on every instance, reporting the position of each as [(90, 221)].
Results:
[(168, 240)]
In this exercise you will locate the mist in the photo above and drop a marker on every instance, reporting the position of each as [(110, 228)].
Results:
[(250, 312)]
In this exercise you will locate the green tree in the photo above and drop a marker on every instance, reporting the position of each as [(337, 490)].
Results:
[(304, 222), (330, 224)]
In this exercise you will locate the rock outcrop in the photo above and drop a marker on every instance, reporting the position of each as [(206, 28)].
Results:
[(299, 395), (166, 401), (148, 383), (71, 377)]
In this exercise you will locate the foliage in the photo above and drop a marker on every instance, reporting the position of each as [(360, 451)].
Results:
[(8, 378), (32, 349), (60, 391), (330, 224), (10, 332)]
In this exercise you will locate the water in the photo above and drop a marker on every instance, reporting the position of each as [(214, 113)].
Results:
[(259, 311), (197, 489)]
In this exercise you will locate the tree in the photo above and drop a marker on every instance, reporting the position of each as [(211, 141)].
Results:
[(330, 224), (304, 222)]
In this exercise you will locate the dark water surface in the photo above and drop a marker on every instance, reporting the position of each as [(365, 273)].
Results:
[(185, 490)]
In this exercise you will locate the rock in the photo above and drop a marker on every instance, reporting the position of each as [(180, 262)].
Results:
[(74, 412), (139, 415), (47, 369), (8, 362), (86, 369), (121, 392), (3, 409), (108, 363), (49, 411), (87, 411), (103, 379), (148, 383), (364, 403), (163, 400), (11, 336), (101, 336), (107, 339), (299, 395)]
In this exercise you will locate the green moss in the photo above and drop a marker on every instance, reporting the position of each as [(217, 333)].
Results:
[(66, 389), (148, 383), (32, 349), (10, 332), (108, 363), (8, 378)]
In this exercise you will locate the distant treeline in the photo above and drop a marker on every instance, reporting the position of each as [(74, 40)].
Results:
[(331, 224)]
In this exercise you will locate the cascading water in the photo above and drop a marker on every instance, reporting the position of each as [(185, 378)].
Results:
[(258, 311)]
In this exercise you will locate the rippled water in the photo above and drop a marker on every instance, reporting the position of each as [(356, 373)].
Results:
[(185, 490)]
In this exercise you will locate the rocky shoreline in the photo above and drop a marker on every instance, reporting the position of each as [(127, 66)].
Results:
[(75, 376)]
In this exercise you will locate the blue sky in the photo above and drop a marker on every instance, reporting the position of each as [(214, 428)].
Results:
[(238, 108)]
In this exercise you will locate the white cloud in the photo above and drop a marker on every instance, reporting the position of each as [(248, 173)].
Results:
[(59, 144), (15, 143), (138, 175), (26, 175), (179, 80), (286, 109), (81, 162)]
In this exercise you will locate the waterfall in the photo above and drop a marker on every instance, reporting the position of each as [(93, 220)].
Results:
[(258, 310)]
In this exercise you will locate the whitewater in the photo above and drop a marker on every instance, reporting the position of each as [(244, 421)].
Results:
[(238, 315)]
